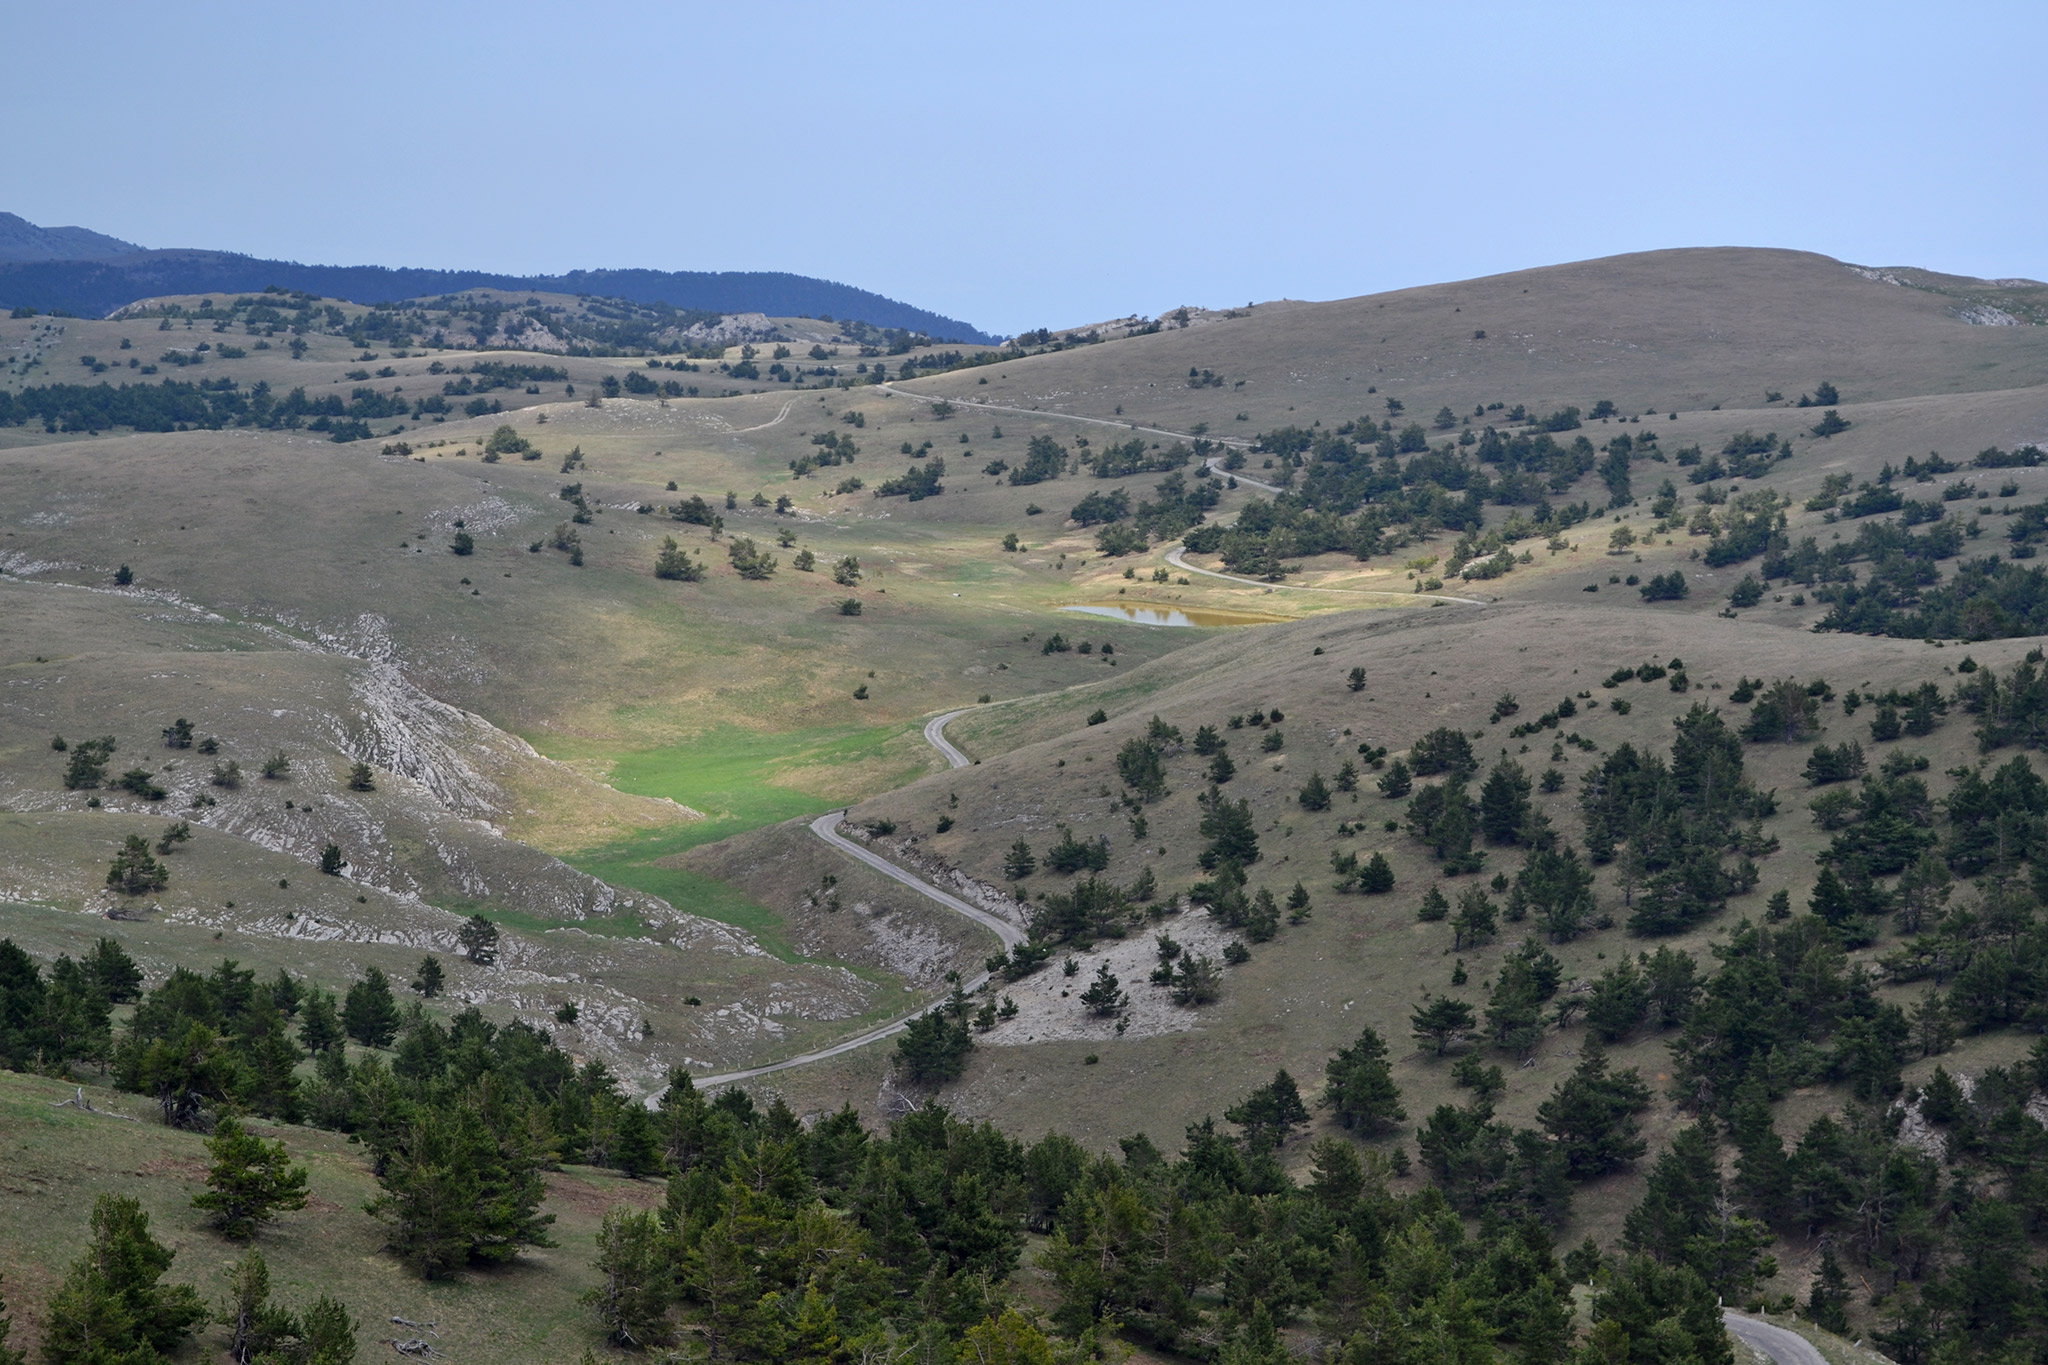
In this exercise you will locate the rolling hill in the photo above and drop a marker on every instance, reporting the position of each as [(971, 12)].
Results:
[(1746, 537)]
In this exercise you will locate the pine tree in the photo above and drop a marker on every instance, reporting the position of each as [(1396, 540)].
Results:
[(1668, 1308), (87, 767), (327, 1333), (1591, 1115), (1270, 1113), (1102, 997), (1619, 1000), (251, 1181), (1441, 1021), (1396, 782), (1019, 862), (361, 779), (1830, 899), (455, 1194), (1514, 1010), (1359, 1089), (1257, 1342), (319, 1027), (479, 940), (1231, 831), (1763, 1171), (111, 1306), (933, 1048), (1827, 1302), (369, 1014), (1315, 794), (637, 1288), (1197, 980), (331, 861), (134, 871), (428, 979), (113, 972), (1299, 906), (255, 1325), (1504, 803), (1681, 1219), (1475, 922), (1377, 876), (1434, 907), (674, 563), (636, 1146)]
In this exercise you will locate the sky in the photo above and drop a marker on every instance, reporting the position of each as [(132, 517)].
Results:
[(1030, 165)]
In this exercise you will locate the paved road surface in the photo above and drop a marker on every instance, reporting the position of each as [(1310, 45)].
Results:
[(826, 827), (935, 735), (1783, 1347)]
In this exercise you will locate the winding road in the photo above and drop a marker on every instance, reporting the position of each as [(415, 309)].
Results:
[(1783, 1347), (826, 827), (935, 735)]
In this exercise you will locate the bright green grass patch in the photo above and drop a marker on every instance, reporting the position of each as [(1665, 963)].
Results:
[(728, 773)]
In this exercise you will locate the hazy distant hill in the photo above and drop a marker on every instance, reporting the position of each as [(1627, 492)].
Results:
[(21, 240), (82, 272)]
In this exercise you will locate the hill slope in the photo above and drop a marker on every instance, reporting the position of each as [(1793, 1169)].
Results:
[(1657, 331), (514, 627)]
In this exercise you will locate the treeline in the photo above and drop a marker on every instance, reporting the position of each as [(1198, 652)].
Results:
[(176, 405), (826, 1238), (829, 1241)]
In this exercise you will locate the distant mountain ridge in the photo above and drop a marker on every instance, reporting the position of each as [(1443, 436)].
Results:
[(21, 240), (96, 274)]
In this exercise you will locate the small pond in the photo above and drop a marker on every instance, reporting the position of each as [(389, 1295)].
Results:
[(1174, 616)]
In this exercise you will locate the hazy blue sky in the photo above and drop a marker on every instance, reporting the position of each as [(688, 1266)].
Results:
[(1031, 164)]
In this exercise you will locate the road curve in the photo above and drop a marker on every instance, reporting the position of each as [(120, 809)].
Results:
[(935, 735), (1783, 1347), (1174, 557), (826, 827)]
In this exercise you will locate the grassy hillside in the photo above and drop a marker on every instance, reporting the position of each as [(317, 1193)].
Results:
[(619, 769), (58, 1160), (1662, 330)]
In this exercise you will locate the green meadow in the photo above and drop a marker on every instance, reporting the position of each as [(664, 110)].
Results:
[(737, 778)]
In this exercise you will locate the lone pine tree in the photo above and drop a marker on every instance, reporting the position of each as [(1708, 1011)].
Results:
[(250, 1181), (1102, 996)]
